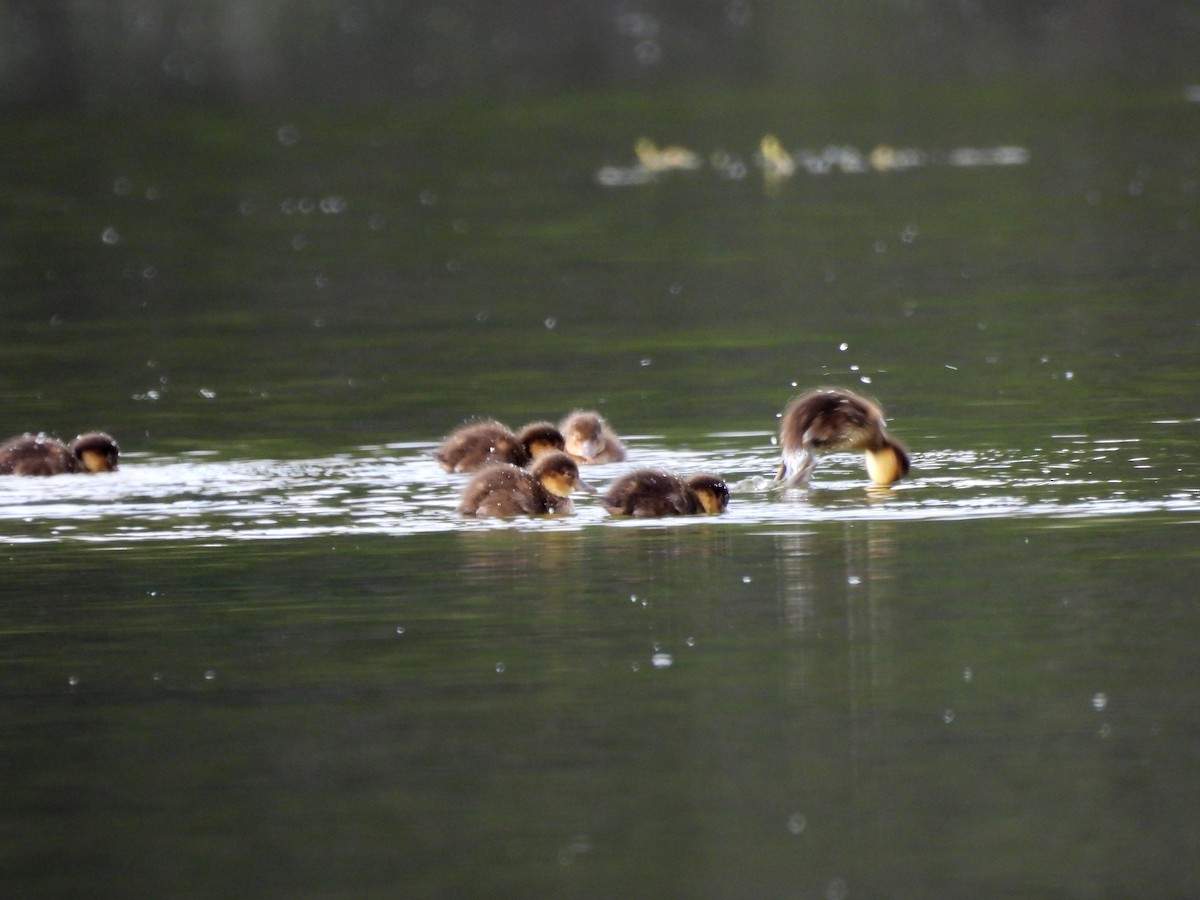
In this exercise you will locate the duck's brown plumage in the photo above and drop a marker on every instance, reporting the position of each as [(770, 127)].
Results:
[(502, 489), (479, 444), (829, 420), (652, 493), (589, 439), (40, 454)]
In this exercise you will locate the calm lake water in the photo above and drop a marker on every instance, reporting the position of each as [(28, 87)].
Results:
[(267, 658)]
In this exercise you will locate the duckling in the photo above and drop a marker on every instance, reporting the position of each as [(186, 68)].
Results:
[(652, 493), (776, 161), (502, 489), (39, 454), (654, 159), (829, 420), (589, 439), (474, 446)]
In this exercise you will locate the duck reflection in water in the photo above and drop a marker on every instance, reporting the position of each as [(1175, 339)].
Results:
[(39, 454), (830, 420), (651, 493), (589, 439), (506, 490), (473, 446)]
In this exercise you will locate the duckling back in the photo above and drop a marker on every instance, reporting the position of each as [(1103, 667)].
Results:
[(502, 489), (35, 454), (478, 444)]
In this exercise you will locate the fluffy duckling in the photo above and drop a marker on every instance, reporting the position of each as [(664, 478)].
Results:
[(655, 159), (829, 420), (589, 439), (39, 454), (649, 493), (506, 490), (478, 444), (776, 161)]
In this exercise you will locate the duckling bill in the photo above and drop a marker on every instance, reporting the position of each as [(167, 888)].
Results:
[(830, 420), (652, 493), (40, 455), (502, 489)]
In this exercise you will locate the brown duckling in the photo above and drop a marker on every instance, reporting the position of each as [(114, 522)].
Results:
[(39, 454), (478, 444), (502, 489), (829, 420), (589, 439), (651, 493)]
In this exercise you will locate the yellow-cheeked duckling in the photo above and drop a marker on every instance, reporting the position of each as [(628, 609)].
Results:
[(650, 493), (589, 439), (830, 420), (478, 444), (502, 489), (39, 454)]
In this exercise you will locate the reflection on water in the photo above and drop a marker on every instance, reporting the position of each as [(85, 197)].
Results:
[(399, 490), (778, 163)]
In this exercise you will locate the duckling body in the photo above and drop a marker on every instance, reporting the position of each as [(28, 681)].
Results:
[(589, 439), (39, 454), (502, 489), (652, 493), (831, 420), (479, 444)]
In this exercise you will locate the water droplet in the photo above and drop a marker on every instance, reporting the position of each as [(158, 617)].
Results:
[(207, 394), (550, 323), (288, 134), (865, 379), (399, 629), (746, 579), (499, 668), (843, 346), (428, 197), (968, 674), (691, 642), (1099, 701), (661, 660), (646, 362), (110, 236), (209, 675), (73, 680), (796, 823), (122, 187), (853, 579), (633, 598), (948, 716)]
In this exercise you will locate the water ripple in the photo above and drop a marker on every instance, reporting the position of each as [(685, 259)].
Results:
[(399, 490)]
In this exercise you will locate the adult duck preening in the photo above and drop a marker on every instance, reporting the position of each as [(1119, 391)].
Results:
[(589, 439), (651, 493), (475, 445), (830, 420), (502, 489), (40, 454)]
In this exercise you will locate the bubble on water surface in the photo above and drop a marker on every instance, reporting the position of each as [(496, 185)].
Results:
[(662, 660), (550, 323), (288, 134), (210, 675), (796, 823), (948, 716), (110, 235), (399, 629), (499, 668), (1099, 701)]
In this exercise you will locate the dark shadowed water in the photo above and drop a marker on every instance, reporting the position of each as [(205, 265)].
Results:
[(279, 258)]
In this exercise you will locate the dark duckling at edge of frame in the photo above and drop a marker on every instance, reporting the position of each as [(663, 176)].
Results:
[(830, 420), (40, 454)]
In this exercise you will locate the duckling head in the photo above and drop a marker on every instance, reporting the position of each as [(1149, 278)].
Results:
[(712, 492), (96, 451), (541, 438), (887, 464), (559, 475)]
